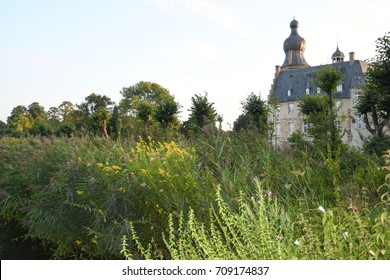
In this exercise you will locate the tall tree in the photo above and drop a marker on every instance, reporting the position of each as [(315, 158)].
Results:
[(255, 114), (375, 101), (328, 78), (149, 101), (202, 112)]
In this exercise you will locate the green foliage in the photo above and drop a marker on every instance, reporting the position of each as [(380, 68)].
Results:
[(202, 112), (255, 114), (220, 196), (375, 101)]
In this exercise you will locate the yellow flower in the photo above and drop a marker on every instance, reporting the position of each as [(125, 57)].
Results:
[(89, 164), (108, 169), (116, 167), (80, 192), (94, 241), (99, 164), (79, 159), (161, 171), (122, 189), (78, 242), (144, 171)]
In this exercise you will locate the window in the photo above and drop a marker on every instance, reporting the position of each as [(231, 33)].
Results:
[(338, 104), (339, 88), (289, 92), (358, 122), (291, 127), (318, 90), (278, 129), (291, 108), (307, 90), (306, 127), (357, 97)]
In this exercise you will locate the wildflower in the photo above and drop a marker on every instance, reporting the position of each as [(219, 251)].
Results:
[(80, 192), (94, 241), (108, 169), (144, 171), (270, 193), (89, 164), (321, 209), (296, 242), (116, 167), (352, 207), (279, 237), (78, 242), (161, 171), (122, 189), (298, 173), (99, 164), (345, 234)]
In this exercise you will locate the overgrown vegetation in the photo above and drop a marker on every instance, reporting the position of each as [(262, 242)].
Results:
[(219, 196)]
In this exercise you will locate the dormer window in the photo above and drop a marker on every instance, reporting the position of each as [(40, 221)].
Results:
[(318, 90), (340, 88), (307, 90), (289, 92)]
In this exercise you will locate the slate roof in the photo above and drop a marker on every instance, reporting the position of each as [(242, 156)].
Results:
[(297, 80)]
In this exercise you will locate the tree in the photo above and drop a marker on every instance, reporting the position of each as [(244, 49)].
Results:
[(149, 101), (20, 119), (328, 78), (202, 112), (166, 113), (255, 114), (315, 110), (66, 109), (375, 101), (85, 116), (37, 112), (101, 117)]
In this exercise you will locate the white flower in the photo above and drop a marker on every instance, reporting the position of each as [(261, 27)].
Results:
[(321, 209), (296, 242), (345, 234)]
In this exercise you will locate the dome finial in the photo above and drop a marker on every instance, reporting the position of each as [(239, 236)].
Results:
[(337, 56), (294, 47)]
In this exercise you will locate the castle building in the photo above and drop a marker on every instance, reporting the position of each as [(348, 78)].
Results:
[(296, 78)]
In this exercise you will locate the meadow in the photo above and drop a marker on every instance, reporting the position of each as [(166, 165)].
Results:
[(215, 196)]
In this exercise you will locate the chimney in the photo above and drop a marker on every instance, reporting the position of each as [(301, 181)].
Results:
[(277, 70), (351, 57)]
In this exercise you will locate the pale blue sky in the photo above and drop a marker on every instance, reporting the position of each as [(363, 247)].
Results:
[(52, 51)]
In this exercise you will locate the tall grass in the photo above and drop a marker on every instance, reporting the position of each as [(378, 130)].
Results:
[(215, 197)]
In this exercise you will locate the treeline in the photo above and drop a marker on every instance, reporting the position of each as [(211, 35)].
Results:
[(144, 108)]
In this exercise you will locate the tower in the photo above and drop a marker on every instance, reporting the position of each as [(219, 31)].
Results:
[(338, 56), (294, 48)]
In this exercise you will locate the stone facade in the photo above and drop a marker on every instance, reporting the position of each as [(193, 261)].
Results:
[(295, 78)]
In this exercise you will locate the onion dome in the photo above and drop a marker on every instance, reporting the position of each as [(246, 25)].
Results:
[(294, 48), (338, 55)]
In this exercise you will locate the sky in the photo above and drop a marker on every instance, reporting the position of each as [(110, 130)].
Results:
[(55, 51)]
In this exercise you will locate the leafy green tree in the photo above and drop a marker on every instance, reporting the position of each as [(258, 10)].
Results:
[(375, 101), (202, 112), (166, 113), (255, 114), (101, 117), (116, 123), (328, 78), (85, 116), (37, 112), (149, 101), (315, 110), (66, 109), (20, 119)]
